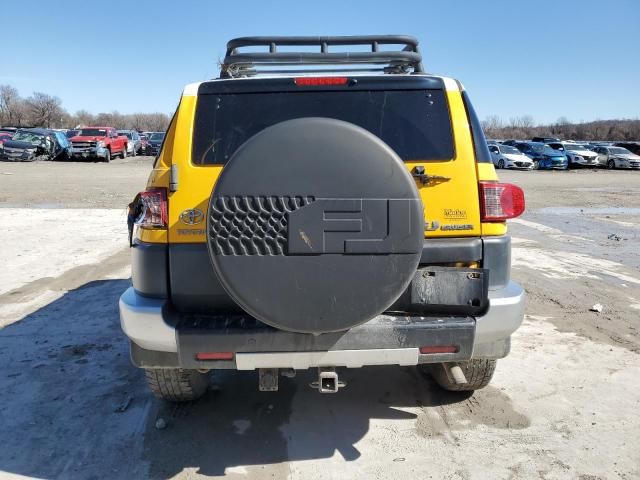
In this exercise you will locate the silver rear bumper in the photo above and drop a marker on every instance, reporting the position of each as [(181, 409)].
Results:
[(144, 321)]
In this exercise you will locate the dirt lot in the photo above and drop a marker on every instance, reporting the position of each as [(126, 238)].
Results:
[(564, 404)]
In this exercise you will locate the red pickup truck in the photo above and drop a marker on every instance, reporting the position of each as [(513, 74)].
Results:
[(98, 143)]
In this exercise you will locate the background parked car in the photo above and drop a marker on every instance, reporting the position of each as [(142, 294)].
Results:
[(511, 142), (98, 143), (543, 155), (133, 141), (506, 156), (144, 143), (155, 142), (71, 133), (577, 154), (633, 147), (617, 157), (5, 136), (545, 139), (30, 144)]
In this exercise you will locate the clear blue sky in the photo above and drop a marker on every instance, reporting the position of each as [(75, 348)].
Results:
[(573, 58)]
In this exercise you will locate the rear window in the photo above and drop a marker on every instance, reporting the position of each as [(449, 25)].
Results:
[(92, 132), (414, 123)]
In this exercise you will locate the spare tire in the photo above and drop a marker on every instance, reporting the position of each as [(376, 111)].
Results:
[(315, 225)]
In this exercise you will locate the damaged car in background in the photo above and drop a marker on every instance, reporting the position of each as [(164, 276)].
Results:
[(577, 154), (30, 144)]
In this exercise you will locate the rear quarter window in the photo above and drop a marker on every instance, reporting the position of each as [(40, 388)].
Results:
[(415, 123)]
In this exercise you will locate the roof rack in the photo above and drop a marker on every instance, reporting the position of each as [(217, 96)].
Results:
[(405, 60)]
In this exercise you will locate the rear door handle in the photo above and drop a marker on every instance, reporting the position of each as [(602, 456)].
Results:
[(426, 179)]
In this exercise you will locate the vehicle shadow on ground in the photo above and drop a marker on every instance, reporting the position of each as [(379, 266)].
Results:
[(73, 406), (235, 428), (236, 425)]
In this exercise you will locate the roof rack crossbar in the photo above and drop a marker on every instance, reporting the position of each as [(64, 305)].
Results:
[(243, 64)]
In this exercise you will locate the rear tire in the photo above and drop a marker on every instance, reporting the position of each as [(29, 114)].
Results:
[(478, 373), (177, 385), (107, 157)]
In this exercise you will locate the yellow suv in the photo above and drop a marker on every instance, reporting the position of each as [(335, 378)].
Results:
[(322, 209)]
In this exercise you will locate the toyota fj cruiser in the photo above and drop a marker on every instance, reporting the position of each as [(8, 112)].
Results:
[(321, 210)]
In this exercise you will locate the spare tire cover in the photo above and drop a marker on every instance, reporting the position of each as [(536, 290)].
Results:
[(315, 225)]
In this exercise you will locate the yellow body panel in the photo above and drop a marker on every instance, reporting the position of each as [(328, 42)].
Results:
[(446, 204), (195, 182), (452, 202)]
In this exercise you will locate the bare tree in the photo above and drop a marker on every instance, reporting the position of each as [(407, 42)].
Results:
[(523, 127), (492, 125), (526, 122), (137, 121), (44, 110), (157, 121), (82, 118), (11, 106)]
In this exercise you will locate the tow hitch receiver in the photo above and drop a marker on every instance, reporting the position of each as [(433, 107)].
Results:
[(328, 381), (268, 379)]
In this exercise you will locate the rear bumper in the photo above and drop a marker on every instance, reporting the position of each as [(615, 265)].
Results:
[(164, 339), (584, 162)]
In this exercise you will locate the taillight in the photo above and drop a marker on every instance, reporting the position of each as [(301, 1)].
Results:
[(320, 81), (500, 201), (435, 349), (154, 208), (214, 356)]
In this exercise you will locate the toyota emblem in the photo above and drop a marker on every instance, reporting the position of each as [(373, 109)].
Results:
[(192, 216)]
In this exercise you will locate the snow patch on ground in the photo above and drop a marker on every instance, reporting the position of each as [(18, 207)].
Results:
[(39, 243), (536, 226), (559, 264), (554, 233)]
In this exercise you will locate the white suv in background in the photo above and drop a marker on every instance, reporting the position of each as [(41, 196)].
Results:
[(577, 154), (506, 156)]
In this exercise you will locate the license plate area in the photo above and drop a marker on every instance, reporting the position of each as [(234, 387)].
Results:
[(446, 290)]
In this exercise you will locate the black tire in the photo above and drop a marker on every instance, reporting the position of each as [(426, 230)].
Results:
[(123, 154), (501, 163), (107, 158), (133, 151), (611, 165), (177, 385), (478, 372)]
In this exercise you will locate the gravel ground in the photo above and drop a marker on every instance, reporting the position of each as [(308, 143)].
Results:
[(563, 405)]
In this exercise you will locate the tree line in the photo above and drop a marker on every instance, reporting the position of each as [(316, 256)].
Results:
[(43, 110), (525, 128)]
